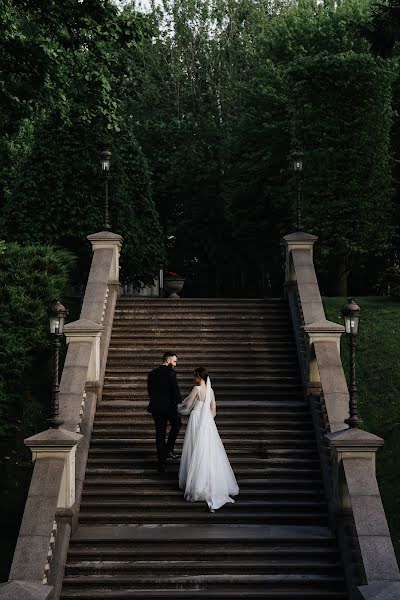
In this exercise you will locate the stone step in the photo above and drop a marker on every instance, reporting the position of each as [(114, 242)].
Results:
[(232, 516), (225, 426), (226, 343), (229, 442), (206, 552), (194, 323), (121, 495), (129, 447), (226, 407), (193, 332), (289, 392), (290, 454), (219, 385), (150, 359), (325, 565), (246, 481), (226, 348), (239, 436), (251, 380), (195, 318), (289, 593), (283, 473), (156, 504), (190, 579), (128, 369)]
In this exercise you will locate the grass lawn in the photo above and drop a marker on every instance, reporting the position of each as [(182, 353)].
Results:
[(378, 382)]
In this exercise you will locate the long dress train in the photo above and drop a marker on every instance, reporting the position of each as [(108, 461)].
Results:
[(205, 472)]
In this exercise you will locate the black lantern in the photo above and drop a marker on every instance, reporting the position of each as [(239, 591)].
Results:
[(57, 319), (298, 169), (105, 161), (298, 161), (351, 314)]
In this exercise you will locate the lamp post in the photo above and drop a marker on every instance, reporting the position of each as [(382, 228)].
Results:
[(351, 313), (105, 159), (57, 319), (298, 169)]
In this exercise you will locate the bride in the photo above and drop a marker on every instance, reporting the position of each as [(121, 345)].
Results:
[(205, 472)]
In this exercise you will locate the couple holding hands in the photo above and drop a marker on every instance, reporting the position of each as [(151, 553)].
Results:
[(205, 473)]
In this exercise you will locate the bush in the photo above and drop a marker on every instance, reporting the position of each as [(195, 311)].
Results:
[(31, 277)]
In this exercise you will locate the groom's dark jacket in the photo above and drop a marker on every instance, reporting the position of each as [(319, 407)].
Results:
[(163, 390)]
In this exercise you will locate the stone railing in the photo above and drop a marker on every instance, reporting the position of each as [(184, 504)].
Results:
[(347, 455), (60, 455)]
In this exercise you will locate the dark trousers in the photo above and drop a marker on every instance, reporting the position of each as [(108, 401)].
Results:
[(160, 421)]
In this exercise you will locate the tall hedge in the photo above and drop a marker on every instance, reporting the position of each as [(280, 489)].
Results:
[(31, 278), (342, 116), (55, 193)]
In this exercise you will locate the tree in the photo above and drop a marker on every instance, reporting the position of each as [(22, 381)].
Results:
[(348, 185), (31, 277), (52, 187)]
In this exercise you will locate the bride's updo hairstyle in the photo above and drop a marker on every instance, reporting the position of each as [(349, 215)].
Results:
[(202, 373)]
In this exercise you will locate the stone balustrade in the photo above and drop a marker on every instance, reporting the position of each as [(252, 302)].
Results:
[(60, 455), (349, 468)]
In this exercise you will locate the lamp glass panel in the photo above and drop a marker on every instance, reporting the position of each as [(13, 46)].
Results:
[(105, 165), (298, 165), (354, 325), (347, 323), (61, 321), (53, 323)]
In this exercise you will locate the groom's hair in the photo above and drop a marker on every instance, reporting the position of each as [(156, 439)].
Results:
[(169, 354), (202, 373)]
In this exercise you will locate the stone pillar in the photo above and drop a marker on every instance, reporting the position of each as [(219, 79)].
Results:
[(356, 492), (84, 330), (58, 444), (108, 241), (326, 370), (297, 241)]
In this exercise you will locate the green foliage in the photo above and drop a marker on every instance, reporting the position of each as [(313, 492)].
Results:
[(53, 190), (56, 194), (348, 186), (204, 102), (30, 278), (378, 381), (230, 87), (389, 281)]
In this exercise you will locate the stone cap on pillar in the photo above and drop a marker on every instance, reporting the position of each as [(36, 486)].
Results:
[(354, 439), (299, 240), (53, 438), (324, 330), (82, 328), (105, 239)]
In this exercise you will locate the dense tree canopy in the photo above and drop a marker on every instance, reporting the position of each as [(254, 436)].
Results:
[(202, 103)]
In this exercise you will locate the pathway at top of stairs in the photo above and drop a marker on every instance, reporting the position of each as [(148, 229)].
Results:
[(137, 537)]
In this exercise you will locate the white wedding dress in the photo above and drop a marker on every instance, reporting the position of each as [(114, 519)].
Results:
[(205, 472)]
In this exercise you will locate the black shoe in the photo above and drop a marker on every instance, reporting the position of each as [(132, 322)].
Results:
[(173, 456), (162, 467)]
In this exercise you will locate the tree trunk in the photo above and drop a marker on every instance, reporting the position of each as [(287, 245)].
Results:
[(341, 276)]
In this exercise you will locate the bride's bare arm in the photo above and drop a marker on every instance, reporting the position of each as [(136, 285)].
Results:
[(187, 404), (213, 405)]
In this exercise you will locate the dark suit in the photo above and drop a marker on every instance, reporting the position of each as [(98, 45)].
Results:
[(164, 397)]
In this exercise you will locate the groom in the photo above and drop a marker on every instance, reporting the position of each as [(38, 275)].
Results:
[(164, 396)]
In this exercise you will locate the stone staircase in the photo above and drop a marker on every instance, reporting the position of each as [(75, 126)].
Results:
[(137, 537)]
